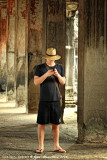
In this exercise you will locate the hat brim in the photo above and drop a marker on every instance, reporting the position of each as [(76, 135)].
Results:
[(51, 57)]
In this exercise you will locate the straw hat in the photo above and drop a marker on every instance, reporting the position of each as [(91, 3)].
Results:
[(51, 54)]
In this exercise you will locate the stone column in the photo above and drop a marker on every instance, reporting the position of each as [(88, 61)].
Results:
[(0, 49), (55, 31), (3, 66), (35, 20), (69, 60), (11, 50), (92, 88), (20, 52)]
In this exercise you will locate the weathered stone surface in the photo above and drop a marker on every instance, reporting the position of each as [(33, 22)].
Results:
[(34, 50), (3, 66), (11, 49), (93, 70), (20, 53)]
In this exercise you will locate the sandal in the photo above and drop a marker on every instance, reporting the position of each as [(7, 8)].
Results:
[(39, 151), (60, 150)]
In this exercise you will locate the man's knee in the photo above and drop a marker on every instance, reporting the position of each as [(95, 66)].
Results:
[(55, 126), (41, 125)]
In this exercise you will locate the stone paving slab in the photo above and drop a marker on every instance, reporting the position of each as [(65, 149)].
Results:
[(18, 140)]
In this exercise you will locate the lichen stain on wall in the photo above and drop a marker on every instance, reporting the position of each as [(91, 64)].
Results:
[(36, 14)]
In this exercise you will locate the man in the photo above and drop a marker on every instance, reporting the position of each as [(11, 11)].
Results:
[(49, 105)]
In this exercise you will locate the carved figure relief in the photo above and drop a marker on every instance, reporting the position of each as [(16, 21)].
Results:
[(51, 30), (54, 6)]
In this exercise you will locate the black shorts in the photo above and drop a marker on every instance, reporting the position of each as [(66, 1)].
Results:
[(49, 112)]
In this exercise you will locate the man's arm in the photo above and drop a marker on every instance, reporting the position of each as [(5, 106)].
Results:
[(39, 80), (60, 78)]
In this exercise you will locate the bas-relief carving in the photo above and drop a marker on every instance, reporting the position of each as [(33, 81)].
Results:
[(54, 34), (54, 7)]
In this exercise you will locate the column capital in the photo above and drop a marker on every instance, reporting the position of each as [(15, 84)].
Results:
[(71, 8)]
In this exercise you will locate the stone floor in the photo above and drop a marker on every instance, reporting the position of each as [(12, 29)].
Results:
[(18, 139)]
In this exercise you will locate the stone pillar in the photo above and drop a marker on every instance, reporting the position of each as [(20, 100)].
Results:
[(11, 50), (69, 60), (34, 50), (0, 49), (20, 52), (55, 30), (92, 88), (3, 66)]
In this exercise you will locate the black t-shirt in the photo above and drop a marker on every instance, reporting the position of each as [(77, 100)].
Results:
[(48, 89)]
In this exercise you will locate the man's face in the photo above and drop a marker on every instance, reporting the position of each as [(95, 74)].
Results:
[(51, 61)]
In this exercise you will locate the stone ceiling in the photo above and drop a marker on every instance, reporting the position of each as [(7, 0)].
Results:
[(71, 6)]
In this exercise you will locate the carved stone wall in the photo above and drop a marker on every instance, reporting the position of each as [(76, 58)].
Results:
[(34, 50), (92, 88)]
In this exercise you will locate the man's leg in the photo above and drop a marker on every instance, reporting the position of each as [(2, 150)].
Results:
[(41, 132), (55, 134)]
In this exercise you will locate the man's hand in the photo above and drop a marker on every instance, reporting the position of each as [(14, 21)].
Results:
[(49, 72), (60, 78), (56, 73)]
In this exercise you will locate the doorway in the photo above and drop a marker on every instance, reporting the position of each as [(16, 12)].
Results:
[(71, 65)]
